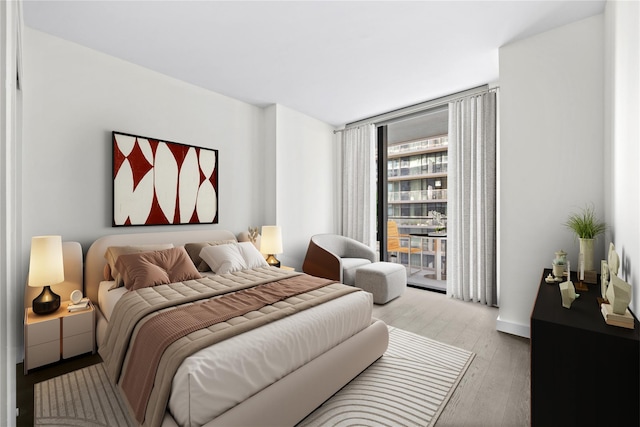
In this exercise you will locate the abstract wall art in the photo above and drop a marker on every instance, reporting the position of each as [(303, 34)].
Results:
[(158, 182)]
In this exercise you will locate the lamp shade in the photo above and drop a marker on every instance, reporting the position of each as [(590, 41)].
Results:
[(271, 240), (46, 265)]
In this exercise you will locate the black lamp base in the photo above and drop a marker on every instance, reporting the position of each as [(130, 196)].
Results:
[(272, 261), (47, 302)]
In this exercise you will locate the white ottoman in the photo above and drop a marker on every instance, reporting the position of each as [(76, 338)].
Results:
[(385, 280)]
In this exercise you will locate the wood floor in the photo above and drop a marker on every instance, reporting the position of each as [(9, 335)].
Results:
[(495, 391)]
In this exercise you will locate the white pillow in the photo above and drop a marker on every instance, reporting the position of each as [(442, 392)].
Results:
[(223, 258), (252, 257)]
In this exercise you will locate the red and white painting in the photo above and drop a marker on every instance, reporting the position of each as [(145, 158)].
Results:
[(158, 182)]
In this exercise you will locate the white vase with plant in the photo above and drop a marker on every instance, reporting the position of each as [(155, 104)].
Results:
[(587, 227)]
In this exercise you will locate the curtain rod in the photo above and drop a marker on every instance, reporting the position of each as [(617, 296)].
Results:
[(418, 109)]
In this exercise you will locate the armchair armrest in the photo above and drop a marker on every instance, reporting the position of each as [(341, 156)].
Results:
[(322, 263)]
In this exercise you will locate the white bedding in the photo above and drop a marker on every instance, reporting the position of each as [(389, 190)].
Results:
[(217, 378)]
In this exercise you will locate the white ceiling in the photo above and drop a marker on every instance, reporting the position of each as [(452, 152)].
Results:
[(337, 61)]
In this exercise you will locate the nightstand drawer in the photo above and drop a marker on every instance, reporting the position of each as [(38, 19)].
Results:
[(77, 323), (43, 354), (77, 344), (61, 334), (43, 332)]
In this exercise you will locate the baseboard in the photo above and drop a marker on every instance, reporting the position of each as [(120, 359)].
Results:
[(427, 288), (513, 328)]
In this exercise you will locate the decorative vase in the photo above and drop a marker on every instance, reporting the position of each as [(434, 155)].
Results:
[(586, 249), (558, 270), (561, 257)]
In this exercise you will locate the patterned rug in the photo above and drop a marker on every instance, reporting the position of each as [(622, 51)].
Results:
[(408, 386), (80, 398)]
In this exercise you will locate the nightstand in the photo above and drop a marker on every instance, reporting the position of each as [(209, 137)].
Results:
[(58, 335)]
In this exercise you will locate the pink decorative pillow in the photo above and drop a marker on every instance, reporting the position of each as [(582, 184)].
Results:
[(106, 272), (113, 252), (141, 270)]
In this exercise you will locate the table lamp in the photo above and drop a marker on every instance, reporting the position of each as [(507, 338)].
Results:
[(271, 243), (46, 268)]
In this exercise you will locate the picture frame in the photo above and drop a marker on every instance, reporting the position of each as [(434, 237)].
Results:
[(159, 182)]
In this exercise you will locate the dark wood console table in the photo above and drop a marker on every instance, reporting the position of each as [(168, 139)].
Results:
[(583, 371)]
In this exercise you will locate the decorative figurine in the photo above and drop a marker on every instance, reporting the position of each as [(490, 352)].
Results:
[(619, 295), (613, 260), (568, 293), (604, 278)]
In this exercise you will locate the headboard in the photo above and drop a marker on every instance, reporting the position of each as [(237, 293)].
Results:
[(95, 260)]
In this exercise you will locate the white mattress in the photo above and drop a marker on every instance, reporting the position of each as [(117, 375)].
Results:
[(217, 378)]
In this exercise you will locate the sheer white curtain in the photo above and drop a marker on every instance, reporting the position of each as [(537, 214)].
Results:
[(358, 184), (471, 222)]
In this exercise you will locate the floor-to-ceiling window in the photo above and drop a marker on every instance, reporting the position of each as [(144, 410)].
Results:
[(415, 195)]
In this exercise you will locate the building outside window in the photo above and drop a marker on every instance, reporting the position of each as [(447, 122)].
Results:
[(417, 202)]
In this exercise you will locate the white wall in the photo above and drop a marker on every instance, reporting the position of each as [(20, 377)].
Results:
[(551, 114), (622, 137), (75, 97), (269, 175), (305, 172)]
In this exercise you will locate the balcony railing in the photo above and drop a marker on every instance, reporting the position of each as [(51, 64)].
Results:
[(417, 170), (430, 258), (423, 144), (418, 195)]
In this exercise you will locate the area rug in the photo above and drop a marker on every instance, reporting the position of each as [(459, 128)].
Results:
[(408, 386), (80, 398)]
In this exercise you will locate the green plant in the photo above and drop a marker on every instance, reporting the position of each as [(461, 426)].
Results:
[(437, 220), (585, 223)]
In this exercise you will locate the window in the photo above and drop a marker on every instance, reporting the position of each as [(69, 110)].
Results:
[(417, 156)]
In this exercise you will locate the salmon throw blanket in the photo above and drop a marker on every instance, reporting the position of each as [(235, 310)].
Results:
[(162, 341)]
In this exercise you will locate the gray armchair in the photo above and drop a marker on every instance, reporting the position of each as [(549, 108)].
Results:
[(336, 257)]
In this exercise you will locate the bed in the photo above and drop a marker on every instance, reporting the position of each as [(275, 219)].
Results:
[(236, 382)]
